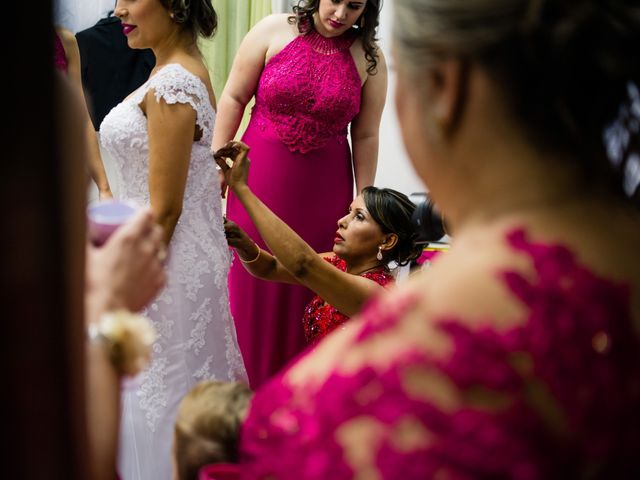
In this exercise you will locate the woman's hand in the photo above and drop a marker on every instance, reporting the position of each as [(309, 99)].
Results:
[(126, 272), (234, 164), (237, 238)]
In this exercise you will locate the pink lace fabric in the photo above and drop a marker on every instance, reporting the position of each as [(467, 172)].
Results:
[(309, 91), (320, 318), (59, 57), (565, 385)]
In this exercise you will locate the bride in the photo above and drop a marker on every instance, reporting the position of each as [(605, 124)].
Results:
[(159, 138)]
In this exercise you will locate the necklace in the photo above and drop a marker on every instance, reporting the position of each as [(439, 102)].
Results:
[(375, 267)]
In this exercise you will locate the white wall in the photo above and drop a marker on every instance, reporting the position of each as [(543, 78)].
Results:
[(394, 168)]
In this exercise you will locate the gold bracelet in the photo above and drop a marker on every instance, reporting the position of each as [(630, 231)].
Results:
[(127, 337), (255, 259)]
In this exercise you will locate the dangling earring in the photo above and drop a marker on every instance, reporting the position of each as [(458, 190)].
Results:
[(379, 255), (172, 15), (361, 22)]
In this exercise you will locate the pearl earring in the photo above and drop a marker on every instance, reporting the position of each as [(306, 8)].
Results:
[(379, 255)]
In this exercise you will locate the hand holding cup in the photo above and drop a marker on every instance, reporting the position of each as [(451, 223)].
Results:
[(105, 216)]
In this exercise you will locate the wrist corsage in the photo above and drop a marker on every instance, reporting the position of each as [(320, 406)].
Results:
[(127, 337)]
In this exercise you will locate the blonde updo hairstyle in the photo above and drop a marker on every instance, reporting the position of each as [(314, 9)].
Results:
[(566, 67)]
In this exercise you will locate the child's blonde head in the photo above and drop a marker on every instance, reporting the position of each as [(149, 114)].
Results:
[(208, 424)]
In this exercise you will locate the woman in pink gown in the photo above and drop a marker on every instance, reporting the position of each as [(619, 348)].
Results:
[(517, 354), (312, 75)]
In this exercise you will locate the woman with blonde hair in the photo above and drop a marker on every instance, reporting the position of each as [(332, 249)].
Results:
[(517, 354)]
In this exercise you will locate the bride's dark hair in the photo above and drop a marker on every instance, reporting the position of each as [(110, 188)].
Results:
[(366, 26), (195, 16)]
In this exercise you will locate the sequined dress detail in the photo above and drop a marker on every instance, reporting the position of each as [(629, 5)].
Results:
[(320, 318), (301, 168), (196, 334), (563, 384)]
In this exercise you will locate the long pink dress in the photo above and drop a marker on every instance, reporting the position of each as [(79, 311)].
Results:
[(564, 384), (301, 168)]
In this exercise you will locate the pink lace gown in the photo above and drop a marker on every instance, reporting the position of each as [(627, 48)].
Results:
[(565, 385), (301, 168)]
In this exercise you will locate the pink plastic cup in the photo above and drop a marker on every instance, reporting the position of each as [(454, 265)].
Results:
[(105, 216)]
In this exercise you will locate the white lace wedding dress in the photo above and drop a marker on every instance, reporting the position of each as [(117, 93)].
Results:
[(197, 338)]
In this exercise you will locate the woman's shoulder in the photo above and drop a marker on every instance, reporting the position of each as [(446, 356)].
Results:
[(496, 278), (181, 82), (466, 283), (179, 75), (274, 24)]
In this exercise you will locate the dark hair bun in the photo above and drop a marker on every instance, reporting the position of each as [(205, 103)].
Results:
[(427, 220), (197, 16)]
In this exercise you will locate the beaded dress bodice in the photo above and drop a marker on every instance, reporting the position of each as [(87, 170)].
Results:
[(309, 91), (320, 318)]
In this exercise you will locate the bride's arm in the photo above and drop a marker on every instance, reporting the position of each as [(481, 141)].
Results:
[(171, 132)]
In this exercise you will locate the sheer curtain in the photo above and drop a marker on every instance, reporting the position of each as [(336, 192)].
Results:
[(77, 15), (235, 19)]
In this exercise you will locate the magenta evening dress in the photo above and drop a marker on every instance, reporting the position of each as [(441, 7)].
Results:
[(301, 169), (565, 383)]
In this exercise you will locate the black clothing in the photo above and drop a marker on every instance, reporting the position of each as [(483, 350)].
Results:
[(110, 69)]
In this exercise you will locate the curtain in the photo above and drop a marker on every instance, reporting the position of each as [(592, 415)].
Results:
[(235, 19)]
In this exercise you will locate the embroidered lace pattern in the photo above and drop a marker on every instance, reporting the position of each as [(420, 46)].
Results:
[(197, 337), (557, 396), (309, 91), (320, 318)]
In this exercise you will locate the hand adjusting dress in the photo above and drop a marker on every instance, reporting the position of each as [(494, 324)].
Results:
[(197, 337), (301, 168)]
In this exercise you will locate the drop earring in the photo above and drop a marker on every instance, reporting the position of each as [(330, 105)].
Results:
[(379, 255)]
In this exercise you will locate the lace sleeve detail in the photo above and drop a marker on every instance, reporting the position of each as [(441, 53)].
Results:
[(174, 84), (553, 396)]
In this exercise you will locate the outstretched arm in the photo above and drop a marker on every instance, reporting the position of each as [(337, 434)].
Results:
[(344, 291)]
